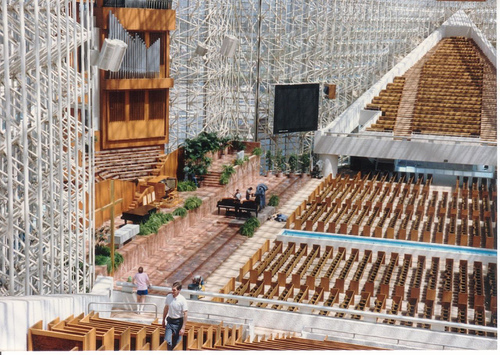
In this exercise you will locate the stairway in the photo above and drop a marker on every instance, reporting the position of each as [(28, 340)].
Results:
[(211, 179)]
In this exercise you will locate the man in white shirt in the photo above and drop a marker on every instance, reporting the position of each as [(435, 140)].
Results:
[(237, 195), (174, 316)]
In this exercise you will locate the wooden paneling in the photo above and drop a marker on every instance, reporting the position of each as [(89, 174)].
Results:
[(123, 189), (136, 19), (138, 84), (171, 164)]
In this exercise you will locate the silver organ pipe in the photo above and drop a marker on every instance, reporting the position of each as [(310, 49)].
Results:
[(139, 61)]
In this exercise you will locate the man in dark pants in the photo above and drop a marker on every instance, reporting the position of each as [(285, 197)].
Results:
[(174, 316)]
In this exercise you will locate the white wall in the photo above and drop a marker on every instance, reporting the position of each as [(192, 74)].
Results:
[(17, 314)]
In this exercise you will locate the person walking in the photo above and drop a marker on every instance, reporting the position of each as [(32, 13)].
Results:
[(141, 280), (174, 316)]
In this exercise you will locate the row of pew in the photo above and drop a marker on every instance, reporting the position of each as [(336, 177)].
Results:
[(430, 287), (447, 109), (387, 102), (448, 97), (384, 207), (93, 333), (127, 163)]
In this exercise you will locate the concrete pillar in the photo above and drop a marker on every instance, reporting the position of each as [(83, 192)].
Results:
[(330, 164)]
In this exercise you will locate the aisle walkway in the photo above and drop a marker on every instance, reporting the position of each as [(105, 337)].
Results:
[(202, 248), (268, 231)]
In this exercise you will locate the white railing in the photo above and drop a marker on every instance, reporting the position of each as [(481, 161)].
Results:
[(413, 138), (369, 317)]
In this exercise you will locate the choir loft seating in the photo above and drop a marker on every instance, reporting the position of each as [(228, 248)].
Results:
[(446, 97), (90, 333), (128, 163)]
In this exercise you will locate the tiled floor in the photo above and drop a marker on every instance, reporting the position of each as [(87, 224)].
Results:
[(268, 231), (213, 248)]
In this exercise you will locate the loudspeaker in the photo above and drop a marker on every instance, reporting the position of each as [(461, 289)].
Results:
[(229, 45), (112, 53), (329, 91), (201, 50)]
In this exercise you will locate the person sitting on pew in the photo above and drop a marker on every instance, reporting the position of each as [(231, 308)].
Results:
[(237, 195)]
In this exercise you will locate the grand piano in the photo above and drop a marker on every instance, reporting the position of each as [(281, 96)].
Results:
[(239, 208), (139, 215)]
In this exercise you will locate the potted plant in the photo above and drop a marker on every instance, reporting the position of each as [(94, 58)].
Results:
[(269, 161), (280, 163), (257, 151), (224, 143), (305, 162), (293, 163)]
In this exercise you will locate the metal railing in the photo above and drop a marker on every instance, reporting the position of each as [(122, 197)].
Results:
[(413, 137), (114, 310), (369, 317)]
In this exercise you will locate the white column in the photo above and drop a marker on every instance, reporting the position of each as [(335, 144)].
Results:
[(330, 164)]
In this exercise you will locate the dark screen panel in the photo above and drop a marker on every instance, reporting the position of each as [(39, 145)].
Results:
[(296, 108)]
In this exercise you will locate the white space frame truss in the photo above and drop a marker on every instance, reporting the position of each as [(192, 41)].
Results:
[(48, 109)]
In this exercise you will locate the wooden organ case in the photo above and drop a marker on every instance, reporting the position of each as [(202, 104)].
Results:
[(134, 100)]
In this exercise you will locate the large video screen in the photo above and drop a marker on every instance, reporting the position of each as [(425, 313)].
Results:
[(296, 108)]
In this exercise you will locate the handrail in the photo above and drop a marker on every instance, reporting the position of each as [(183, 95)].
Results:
[(124, 303), (369, 317), (414, 138)]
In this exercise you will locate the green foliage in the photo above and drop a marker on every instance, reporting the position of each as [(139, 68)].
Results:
[(280, 161), (224, 141), (224, 179), (257, 151), (238, 143), (118, 259), (293, 162), (180, 211), (195, 150), (249, 227), (186, 186), (102, 249), (305, 162), (192, 202), (106, 260), (252, 221), (239, 162), (101, 259), (228, 169), (155, 221), (269, 160), (245, 158), (274, 201)]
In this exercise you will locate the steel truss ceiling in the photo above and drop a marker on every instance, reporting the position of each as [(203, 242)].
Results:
[(46, 183), (350, 43), (47, 112)]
